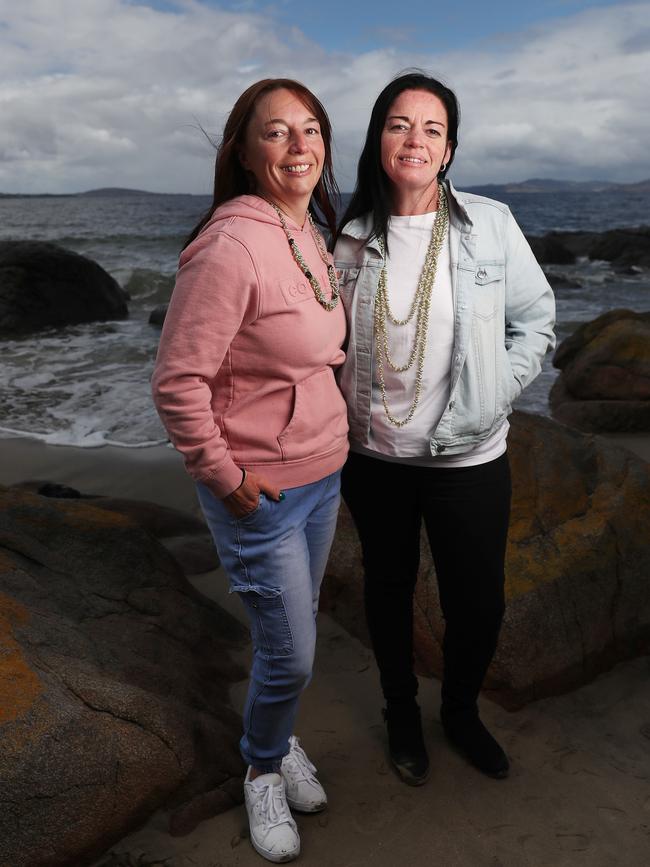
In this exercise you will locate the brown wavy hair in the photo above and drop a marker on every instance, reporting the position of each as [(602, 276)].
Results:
[(230, 177)]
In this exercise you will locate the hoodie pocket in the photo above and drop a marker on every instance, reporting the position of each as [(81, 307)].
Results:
[(319, 419)]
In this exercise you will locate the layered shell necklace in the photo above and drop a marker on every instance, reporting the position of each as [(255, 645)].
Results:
[(419, 309), (304, 267)]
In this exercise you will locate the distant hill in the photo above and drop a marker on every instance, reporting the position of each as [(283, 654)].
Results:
[(547, 185), (533, 185), (114, 192), (102, 192), (35, 195)]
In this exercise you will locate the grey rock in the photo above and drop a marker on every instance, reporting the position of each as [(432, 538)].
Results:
[(114, 684), (43, 285), (157, 315), (604, 384), (193, 553), (549, 250), (622, 247), (161, 521)]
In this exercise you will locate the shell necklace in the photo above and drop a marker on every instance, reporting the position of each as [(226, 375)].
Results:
[(419, 309), (304, 267)]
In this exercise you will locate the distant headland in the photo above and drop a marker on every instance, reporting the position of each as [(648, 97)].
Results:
[(102, 192), (546, 185), (533, 185)]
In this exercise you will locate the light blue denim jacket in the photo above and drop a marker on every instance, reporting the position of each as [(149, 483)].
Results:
[(503, 325)]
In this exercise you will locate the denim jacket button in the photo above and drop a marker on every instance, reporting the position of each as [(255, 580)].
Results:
[(440, 448)]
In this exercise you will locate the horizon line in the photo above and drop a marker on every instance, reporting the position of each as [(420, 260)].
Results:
[(594, 181)]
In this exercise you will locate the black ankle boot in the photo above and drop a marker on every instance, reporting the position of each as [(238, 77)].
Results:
[(406, 743), (468, 734)]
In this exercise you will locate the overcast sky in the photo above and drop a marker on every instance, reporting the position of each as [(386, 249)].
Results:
[(112, 93)]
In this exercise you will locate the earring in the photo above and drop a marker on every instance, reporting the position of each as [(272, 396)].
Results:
[(442, 168)]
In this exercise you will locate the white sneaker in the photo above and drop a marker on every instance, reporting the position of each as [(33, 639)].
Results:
[(273, 831), (304, 792)]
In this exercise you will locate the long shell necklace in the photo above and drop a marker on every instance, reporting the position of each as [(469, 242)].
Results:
[(419, 309), (304, 267)]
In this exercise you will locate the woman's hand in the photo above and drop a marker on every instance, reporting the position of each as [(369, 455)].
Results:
[(246, 497)]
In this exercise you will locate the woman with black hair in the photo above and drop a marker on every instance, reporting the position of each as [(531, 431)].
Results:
[(449, 317)]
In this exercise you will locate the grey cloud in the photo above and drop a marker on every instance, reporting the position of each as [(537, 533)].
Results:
[(639, 43), (113, 93)]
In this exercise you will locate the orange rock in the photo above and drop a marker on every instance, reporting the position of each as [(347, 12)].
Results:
[(114, 683), (20, 686), (605, 380), (577, 567)]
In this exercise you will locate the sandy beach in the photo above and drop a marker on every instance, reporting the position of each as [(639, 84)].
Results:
[(579, 790), (156, 473)]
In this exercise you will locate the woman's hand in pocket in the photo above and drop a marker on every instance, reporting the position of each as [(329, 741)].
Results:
[(246, 498)]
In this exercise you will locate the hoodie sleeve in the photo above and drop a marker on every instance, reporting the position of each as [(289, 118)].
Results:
[(215, 296)]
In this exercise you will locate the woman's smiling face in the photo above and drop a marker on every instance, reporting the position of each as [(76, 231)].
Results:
[(414, 141), (284, 148)]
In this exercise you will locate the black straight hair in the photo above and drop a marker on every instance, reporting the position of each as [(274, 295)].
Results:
[(372, 191)]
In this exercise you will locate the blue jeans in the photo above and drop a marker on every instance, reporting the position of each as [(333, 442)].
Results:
[(275, 558)]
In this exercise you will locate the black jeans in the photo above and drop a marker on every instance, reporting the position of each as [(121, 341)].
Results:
[(466, 511)]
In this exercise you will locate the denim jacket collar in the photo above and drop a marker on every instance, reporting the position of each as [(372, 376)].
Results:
[(361, 227)]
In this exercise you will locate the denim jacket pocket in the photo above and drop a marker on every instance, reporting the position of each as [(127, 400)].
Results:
[(488, 285), (510, 385)]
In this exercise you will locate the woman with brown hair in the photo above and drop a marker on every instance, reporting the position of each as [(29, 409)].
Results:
[(244, 383)]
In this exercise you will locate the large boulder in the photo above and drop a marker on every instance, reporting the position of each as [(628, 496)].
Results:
[(186, 538), (622, 247), (576, 568), (549, 250), (43, 285), (605, 380), (114, 684)]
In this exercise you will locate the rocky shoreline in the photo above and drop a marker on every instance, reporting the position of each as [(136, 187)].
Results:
[(121, 653), (578, 783), (623, 248), (42, 285)]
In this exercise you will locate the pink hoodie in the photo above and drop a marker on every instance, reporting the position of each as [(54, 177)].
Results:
[(244, 376)]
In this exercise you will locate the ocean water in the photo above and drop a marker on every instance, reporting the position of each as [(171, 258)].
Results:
[(88, 385)]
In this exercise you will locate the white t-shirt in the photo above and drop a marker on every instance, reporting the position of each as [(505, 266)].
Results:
[(408, 241)]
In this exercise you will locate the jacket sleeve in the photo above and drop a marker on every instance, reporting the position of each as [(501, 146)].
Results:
[(529, 307), (215, 296)]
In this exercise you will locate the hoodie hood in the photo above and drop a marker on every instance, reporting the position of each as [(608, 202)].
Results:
[(248, 207)]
